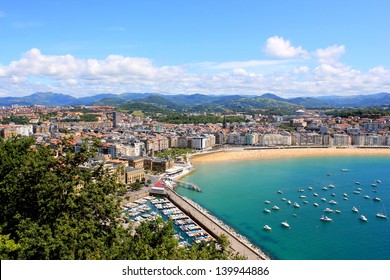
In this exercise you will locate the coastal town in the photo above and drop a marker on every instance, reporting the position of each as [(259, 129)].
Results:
[(131, 147), (131, 144)]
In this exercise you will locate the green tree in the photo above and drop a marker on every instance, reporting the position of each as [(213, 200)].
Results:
[(53, 209)]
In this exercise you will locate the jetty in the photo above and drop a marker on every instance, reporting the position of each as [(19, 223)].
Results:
[(187, 185), (238, 244)]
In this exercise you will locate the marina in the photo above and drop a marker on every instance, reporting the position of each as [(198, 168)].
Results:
[(150, 207)]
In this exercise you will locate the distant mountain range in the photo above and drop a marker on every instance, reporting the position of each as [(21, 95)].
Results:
[(182, 102)]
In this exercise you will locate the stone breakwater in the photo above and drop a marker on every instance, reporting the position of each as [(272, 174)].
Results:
[(238, 243)]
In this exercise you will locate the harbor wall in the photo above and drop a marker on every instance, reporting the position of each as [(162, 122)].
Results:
[(237, 245)]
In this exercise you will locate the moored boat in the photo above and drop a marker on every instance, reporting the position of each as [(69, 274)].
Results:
[(266, 211), (280, 192), (374, 185), (331, 186), (354, 209), (324, 188), (344, 169), (337, 211), (378, 181), (267, 202), (333, 202), (363, 218), (328, 210), (357, 183), (285, 224), (310, 188), (367, 197), (381, 215), (315, 204), (296, 205), (315, 194), (376, 199), (275, 207), (325, 219), (323, 199), (267, 227)]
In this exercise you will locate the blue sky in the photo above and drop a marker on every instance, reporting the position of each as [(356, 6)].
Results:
[(290, 48)]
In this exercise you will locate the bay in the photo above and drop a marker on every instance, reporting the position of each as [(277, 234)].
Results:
[(235, 191)]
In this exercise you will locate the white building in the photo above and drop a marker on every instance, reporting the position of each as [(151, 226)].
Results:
[(199, 143)]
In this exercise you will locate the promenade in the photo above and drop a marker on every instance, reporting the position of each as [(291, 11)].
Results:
[(237, 245)]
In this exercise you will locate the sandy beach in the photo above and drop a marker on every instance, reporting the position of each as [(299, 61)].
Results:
[(245, 154)]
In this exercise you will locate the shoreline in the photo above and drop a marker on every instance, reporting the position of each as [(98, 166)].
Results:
[(266, 153)]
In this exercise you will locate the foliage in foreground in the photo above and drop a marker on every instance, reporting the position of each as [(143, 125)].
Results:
[(52, 209)]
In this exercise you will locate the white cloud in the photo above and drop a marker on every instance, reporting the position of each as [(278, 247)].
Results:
[(330, 55), (35, 71), (248, 64), (279, 47)]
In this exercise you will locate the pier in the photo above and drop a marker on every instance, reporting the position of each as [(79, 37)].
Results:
[(237, 245), (187, 185)]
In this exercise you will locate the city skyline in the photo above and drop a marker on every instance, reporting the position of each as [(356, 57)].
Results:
[(291, 49)]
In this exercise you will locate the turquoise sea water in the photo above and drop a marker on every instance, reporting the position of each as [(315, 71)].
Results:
[(235, 193)]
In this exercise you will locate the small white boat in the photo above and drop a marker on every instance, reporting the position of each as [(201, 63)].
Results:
[(354, 209), (306, 202), (325, 219), (337, 211), (345, 198), (356, 192), (333, 202), (374, 185), (284, 199), (363, 218), (301, 190), (310, 188), (328, 210), (381, 215), (331, 186), (344, 169), (324, 188), (367, 197), (376, 199), (267, 227), (315, 194), (359, 189), (315, 204), (266, 211), (267, 202), (285, 224), (275, 207), (378, 181), (357, 183), (288, 201), (333, 194), (280, 192), (302, 196), (296, 205), (344, 194), (323, 199)]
